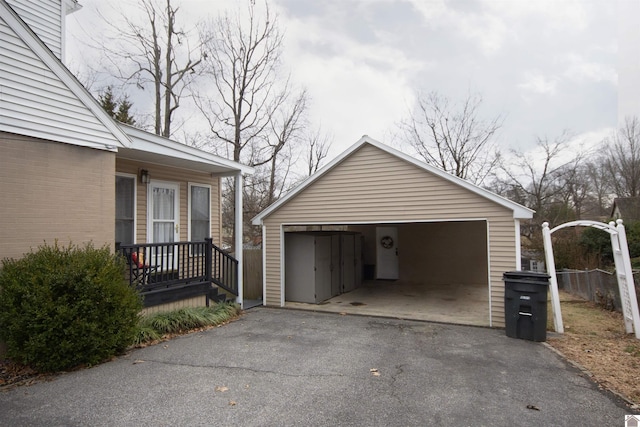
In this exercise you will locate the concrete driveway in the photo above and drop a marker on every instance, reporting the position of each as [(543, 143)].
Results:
[(451, 303), (277, 367)]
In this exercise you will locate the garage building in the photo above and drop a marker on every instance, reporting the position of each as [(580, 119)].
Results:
[(379, 220)]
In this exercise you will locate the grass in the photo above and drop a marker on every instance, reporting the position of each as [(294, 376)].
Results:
[(633, 350), (158, 326)]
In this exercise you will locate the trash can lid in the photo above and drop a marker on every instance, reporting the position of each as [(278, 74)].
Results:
[(535, 276)]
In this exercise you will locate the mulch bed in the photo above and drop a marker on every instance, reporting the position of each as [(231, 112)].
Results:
[(13, 374)]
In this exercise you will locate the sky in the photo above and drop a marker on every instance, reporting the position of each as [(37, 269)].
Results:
[(545, 66)]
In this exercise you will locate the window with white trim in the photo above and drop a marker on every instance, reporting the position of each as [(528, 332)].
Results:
[(125, 209), (199, 212)]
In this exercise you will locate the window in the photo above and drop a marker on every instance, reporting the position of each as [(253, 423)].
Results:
[(199, 212), (125, 209)]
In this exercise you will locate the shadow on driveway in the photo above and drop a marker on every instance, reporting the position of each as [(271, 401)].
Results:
[(284, 367)]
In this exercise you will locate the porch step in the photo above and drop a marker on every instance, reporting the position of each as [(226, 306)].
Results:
[(216, 296)]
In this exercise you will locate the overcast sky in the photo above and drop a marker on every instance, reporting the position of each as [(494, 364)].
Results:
[(545, 65)]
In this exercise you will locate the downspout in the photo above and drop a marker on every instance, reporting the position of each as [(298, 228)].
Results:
[(238, 234)]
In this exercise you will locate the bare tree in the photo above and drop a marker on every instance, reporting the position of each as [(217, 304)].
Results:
[(540, 179), (623, 160), (242, 64), (256, 194), (601, 185), (250, 109), (587, 187), (538, 176), (454, 138), (286, 126), (576, 187), (317, 149), (155, 53), (271, 177)]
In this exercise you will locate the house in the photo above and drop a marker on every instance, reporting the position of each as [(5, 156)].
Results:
[(627, 208), (70, 173), (398, 221)]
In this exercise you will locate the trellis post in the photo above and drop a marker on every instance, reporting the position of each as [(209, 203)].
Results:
[(623, 271), (553, 280)]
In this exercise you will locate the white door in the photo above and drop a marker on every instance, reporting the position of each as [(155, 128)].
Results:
[(163, 218), (387, 266)]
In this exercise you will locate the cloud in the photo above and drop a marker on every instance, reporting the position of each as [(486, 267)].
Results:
[(491, 26), (580, 69), (546, 65), (487, 31), (539, 84), (354, 97), (358, 85)]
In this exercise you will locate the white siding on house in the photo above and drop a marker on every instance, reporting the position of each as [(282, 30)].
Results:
[(45, 19), (35, 102)]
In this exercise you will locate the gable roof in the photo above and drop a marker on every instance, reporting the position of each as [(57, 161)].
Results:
[(628, 207), (152, 148), (104, 134), (519, 211)]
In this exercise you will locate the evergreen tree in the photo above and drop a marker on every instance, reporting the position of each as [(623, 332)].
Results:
[(119, 109), (107, 101), (123, 115)]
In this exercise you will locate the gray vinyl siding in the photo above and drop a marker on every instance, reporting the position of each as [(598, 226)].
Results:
[(373, 186), (35, 102), (45, 19)]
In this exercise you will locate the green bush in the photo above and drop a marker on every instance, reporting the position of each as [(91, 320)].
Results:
[(599, 242), (64, 307)]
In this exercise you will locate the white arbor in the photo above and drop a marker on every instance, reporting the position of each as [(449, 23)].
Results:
[(623, 271)]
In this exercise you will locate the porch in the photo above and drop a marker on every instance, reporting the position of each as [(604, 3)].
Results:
[(168, 272)]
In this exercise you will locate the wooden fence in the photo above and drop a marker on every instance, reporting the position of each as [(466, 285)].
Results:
[(252, 273)]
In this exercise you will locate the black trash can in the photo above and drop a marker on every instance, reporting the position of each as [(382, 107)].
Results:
[(525, 304)]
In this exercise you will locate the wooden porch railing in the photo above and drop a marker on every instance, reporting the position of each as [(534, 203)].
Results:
[(182, 269)]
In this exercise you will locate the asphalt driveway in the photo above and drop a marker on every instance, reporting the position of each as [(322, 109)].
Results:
[(277, 367)]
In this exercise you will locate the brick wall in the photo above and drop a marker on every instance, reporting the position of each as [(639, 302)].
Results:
[(54, 191)]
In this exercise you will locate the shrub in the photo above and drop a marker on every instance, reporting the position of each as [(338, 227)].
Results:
[(154, 326), (64, 307)]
